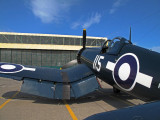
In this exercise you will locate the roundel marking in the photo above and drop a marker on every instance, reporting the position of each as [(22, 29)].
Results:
[(10, 68), (125, 71)]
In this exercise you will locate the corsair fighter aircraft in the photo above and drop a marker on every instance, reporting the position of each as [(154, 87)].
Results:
[(118, 62), (126, 67)]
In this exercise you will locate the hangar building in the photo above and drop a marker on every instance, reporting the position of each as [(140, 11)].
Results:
[(46, 50)]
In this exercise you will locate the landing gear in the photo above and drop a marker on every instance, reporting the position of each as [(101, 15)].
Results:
[(116, 91)]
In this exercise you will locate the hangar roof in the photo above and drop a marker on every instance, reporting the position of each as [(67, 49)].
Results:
[(51, 35), (11, 40)]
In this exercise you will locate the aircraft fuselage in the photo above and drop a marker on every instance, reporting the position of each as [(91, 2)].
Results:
[(129, 68)]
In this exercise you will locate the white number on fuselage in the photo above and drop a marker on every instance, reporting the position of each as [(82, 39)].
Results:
[(97, 63)]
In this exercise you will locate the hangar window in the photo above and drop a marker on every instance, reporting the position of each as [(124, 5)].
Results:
[(46, 40), (78, 41)]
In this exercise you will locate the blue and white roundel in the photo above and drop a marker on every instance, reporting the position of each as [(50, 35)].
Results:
[(10, 68), (125, 71)]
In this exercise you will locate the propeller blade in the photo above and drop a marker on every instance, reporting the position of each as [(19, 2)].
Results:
[(84, 38), (69, 64)]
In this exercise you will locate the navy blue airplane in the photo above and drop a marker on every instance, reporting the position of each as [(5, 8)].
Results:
[(126, 67)]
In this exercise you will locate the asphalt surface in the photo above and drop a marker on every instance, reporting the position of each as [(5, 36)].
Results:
[(15, 105)]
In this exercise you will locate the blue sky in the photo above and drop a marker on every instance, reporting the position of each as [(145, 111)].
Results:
[(101, 18)]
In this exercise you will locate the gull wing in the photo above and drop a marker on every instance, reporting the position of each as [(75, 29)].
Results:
[(52, 83)]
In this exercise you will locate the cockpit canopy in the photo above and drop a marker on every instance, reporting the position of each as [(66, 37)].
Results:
[(114, 46)]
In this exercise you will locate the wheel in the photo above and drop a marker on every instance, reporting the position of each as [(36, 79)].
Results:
[(115, 90)]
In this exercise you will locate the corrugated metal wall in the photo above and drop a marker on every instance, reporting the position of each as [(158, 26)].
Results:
[(45, 58)]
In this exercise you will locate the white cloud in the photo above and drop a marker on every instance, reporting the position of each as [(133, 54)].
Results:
[(93, 19), (49, 10), (116, 5), (157, 49), (75, 25)]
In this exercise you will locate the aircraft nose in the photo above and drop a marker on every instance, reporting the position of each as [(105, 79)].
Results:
[(88, 55)]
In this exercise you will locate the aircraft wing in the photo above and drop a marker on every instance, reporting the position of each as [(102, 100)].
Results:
[(52, 83), (148, 111)]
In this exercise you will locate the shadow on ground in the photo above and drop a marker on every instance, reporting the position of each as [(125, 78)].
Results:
[(106, 95)]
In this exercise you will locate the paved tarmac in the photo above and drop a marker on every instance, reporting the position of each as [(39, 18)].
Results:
[(15, 105)]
